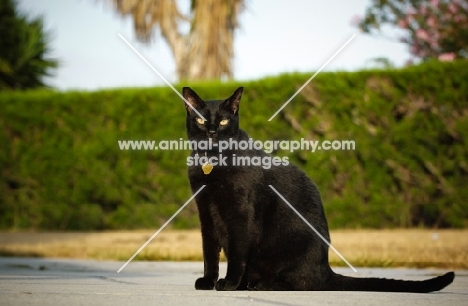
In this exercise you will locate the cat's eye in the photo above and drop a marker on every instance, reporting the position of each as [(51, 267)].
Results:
[(200, 120), (224, 122)]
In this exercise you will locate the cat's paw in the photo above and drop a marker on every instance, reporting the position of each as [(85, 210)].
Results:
[(225, 285), (252, 286), (204, 284)]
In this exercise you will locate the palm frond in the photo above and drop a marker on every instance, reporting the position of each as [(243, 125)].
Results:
[(206, 52)]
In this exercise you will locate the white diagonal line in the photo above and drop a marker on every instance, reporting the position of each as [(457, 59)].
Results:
[(313, 228), (162, 227), (312, 77), (160, 75)]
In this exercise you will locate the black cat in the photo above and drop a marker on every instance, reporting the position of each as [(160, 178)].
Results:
[(268, 247)]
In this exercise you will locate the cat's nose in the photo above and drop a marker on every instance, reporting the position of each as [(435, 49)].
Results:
[(211, 132)]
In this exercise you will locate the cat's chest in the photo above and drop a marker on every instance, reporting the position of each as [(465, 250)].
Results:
[(224, 193), (219, 222), (218, 175)]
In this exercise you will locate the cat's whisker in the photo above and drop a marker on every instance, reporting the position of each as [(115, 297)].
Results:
[(313, 228)]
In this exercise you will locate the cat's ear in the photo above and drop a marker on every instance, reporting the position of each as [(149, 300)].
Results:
[(193, 99), (232, 103)]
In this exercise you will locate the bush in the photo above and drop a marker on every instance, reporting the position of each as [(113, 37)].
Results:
[(61, 167)]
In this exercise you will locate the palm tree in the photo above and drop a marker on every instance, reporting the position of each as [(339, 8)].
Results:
[(25, 45), (206, 51)]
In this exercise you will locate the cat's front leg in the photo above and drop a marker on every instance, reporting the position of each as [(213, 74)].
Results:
[(237, 254), (211, 252)]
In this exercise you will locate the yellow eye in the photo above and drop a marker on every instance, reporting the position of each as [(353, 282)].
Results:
[(224, 122), (200, 120)]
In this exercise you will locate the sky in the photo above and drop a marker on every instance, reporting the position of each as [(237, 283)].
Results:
[(276, 36)]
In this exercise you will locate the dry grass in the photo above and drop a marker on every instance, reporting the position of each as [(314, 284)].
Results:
[(377, 248), (397, 248)]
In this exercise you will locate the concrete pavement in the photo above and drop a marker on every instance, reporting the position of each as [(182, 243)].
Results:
[(33, 281)]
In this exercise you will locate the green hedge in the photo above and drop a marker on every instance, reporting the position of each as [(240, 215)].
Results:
[(61, 167)]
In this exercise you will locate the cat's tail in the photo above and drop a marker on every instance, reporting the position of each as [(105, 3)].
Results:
[(345, 283)]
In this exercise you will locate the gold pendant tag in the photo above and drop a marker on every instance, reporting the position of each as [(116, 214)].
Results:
[(207, 167)]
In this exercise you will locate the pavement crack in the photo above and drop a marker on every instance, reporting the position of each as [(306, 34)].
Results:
[(113, 280)]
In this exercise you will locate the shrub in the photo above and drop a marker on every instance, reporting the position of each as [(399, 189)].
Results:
[(61, 167)]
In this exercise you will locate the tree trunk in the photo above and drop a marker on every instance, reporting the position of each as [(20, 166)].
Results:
[(209, 49), (206, 52)]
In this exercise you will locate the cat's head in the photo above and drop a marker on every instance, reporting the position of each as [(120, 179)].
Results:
[(222, 116)]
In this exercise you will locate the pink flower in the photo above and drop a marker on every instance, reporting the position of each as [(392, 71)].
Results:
[(432, 22), (435, 3), (447, 57), (410, 11), (452, 8), (423, 10), (459, 18), (355, 20), (434, 43), (446, 17), (422, 34), (403, 23), (435, 40)]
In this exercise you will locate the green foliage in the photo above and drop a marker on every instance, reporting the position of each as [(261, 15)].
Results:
[(23, 55), (61, 167)]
